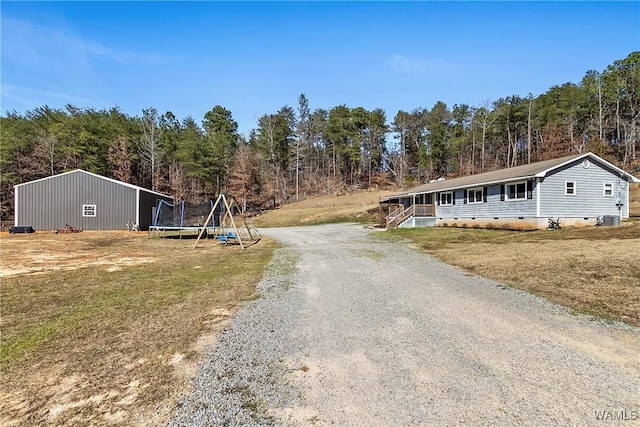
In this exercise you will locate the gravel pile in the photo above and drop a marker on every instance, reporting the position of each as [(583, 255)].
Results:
[(244, 374), (354, 330)]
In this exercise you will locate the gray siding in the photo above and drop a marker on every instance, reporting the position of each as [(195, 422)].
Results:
[(148, 201), (589, 200), (51, 203), (494, 207)]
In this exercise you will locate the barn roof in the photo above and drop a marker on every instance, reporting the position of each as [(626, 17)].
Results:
[(115, 181), (532, 170)]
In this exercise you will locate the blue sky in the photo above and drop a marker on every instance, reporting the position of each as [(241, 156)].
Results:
[(254, 57)]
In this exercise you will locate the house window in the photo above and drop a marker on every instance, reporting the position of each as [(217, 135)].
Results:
[(446, 198), (424, 199), (88, 210), (517, 191), (608, 189), (475, 195), (570, 188)]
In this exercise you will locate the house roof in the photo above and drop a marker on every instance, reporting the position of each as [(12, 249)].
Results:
[(532, 170), (115, 181)]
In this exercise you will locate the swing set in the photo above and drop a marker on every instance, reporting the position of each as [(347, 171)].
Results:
[(228, 232)]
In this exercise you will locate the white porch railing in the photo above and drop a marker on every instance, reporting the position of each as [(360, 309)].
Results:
[(400, 214)]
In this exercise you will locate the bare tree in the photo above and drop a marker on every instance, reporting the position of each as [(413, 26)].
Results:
[(398, 163), (486, 117), (302, 135), (178, 181), (119, 160), (529, 136), (149, 145), (244, 182), (45, 154)]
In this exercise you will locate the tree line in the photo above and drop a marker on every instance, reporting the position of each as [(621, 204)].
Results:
[(297, 152)]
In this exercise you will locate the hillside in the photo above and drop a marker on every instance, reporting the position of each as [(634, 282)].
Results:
[(634, 197), (323, 210)]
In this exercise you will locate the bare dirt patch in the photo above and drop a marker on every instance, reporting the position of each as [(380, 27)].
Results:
[(106, 328), (55, 252)]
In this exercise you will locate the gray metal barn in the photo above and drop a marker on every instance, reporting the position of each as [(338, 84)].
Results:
[(84, 200)]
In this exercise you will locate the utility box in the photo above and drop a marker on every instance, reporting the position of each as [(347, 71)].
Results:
[(611, 220)]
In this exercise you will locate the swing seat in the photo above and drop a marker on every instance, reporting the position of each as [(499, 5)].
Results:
[(225, 238)]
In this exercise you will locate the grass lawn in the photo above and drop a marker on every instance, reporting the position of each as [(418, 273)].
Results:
[(634, 200), (106, 327), (593, 270), (353, 207)]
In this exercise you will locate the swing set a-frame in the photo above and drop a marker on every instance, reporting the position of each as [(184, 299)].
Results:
[(228, 232)]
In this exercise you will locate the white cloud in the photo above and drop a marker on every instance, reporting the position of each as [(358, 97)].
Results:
[(30, 97), (52, 65), (32, 45), (119, 55)]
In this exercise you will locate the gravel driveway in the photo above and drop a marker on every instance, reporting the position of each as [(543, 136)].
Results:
[(352, 330)]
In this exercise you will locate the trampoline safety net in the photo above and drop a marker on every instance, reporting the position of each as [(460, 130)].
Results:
[(183, 214)]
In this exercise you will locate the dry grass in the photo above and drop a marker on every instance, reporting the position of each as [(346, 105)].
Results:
[(590, 270), (351, 207), (103, 328), (634, 197)]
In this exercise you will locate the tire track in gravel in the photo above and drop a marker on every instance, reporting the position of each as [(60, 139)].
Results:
[(373, 333)]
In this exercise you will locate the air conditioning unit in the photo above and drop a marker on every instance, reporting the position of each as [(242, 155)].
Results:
[(611, 220)]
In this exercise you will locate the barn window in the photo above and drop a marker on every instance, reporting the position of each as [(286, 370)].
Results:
[(516, 191), (475, 195), (570, 188), (446, 198), (88, 210), (608, 189)]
